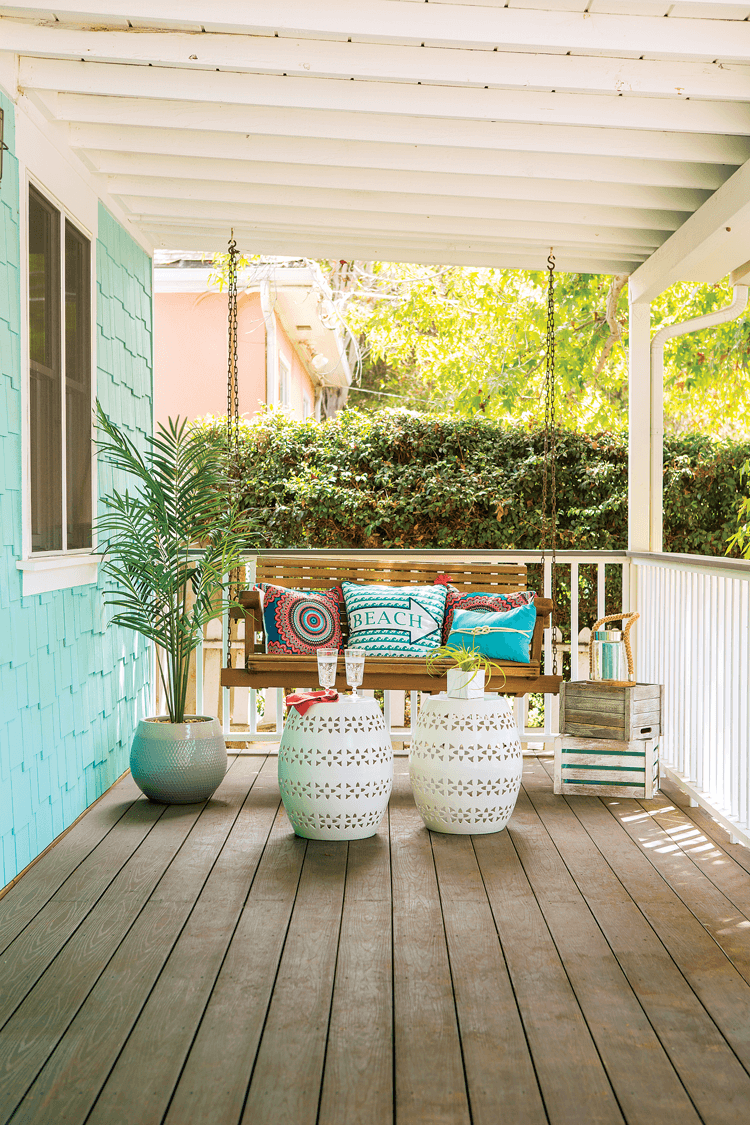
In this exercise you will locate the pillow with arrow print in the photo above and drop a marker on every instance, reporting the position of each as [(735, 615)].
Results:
[(394, 620)]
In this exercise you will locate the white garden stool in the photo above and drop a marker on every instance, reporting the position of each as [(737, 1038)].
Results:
[(336, 769), (465, 764)]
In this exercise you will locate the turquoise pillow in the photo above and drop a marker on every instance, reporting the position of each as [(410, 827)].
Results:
[(394, 620), (499, 636)]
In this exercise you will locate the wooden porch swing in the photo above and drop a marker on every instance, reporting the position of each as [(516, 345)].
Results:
[(318, 570)]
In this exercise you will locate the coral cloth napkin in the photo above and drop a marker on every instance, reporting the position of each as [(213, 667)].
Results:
[(303, 700)]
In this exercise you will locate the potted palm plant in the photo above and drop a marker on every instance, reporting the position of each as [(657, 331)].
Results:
[(469, 673), (179, 530)]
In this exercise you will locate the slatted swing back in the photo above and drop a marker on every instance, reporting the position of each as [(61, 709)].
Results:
[(314, 571)]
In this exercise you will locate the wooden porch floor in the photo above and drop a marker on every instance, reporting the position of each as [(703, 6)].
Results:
[(202, 965)]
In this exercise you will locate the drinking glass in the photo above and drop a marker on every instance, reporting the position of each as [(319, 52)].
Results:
[(327, 661), (355, 668)]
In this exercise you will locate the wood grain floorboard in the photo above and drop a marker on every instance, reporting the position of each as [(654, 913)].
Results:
[(53, 1002), (286, 1080), (645, 1081), (39, 884), (722, 869), (718, 984), (163, 971), (141, 1082), (77, 1068), (430, 1081), (723, 920), (574, 1083), (701, 819), (38, 944), (500, 1074), (640, 937), (214, 1081), (358, 1075)]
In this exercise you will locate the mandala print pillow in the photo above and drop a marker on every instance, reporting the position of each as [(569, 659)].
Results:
[(486, 602), (299, 622), (394, 620)]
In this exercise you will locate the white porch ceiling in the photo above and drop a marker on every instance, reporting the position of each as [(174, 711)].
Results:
[(454, 132)]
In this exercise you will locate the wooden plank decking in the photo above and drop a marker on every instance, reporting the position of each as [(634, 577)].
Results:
[(200, 964)]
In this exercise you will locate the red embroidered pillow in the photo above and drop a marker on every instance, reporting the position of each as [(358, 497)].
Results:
[(299, 622), (488, 602)]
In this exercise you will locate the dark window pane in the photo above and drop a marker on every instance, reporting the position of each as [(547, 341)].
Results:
[(78, 387), (45, 399)]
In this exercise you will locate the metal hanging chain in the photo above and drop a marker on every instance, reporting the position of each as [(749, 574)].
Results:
[(233, 390), (549, 464), (233, 394)]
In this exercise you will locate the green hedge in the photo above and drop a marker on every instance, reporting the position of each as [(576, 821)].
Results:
[(398, 479)]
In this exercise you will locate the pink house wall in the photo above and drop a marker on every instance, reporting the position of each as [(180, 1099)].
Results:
[(190, 356)]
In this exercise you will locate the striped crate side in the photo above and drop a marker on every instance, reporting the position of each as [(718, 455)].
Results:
[(606, 767)]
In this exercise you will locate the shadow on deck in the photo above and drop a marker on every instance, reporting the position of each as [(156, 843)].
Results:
[(200, 964)]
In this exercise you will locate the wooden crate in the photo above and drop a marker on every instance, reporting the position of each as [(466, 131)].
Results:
[(607, 767), (597, 709)]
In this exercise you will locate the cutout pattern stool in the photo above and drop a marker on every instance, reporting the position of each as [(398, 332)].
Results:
[(336, 769), (465, 764)]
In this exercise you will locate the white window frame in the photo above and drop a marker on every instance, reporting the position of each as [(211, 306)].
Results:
[(46, 571), (307, 407), (284, 381)]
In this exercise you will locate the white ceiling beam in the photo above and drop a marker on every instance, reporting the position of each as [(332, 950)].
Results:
[(458, 187), (301, 197), (259, 238), (366, 245), (711, 243), (639, 143), (318, 58), (436, 24), (426, 159), (450, 226), (377, 98), (211, 238)]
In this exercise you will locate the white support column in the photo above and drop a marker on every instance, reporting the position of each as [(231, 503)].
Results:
[(656, 520), (640, 449)]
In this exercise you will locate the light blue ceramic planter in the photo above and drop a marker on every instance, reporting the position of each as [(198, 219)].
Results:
[(178, 763)]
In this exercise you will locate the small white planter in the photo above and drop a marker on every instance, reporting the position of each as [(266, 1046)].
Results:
[(465, 685)]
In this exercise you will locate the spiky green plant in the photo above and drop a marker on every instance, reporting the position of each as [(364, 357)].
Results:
[(180, 528), (465, 658)]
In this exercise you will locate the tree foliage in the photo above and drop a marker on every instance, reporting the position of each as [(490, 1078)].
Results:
[(740, 541), (472, 341)]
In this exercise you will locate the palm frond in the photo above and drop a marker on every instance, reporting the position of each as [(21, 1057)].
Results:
[(179, 528)]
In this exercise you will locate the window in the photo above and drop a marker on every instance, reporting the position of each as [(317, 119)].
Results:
[(306, 407), (59, 380), (284, 395)]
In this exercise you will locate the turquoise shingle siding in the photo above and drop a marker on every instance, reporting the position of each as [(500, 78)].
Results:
[(71, 690)]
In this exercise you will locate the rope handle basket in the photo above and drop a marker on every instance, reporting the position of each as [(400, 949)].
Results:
[(631, 619)]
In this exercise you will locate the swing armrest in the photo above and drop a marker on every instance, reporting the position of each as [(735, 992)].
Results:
[(252, 612), (543, 615)]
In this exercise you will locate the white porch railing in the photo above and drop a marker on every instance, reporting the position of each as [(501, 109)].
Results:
[(693, 637), (239, 706)]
